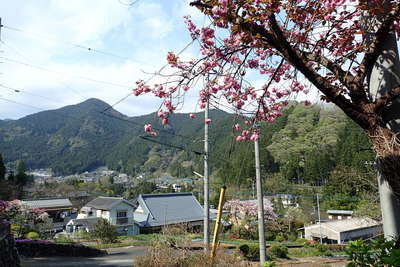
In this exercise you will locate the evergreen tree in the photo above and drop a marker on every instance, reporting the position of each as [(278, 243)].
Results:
[(2, 169), (11, 177), (21, 178)]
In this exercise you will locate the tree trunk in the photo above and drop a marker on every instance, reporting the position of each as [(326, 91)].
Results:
[(387, 147), (8, 253)]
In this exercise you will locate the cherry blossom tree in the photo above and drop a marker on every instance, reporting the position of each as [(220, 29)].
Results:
[(293, 46), (240, 209)]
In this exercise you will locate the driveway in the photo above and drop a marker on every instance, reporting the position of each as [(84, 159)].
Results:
[(117, 257)]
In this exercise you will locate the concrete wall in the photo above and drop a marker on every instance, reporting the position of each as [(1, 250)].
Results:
[(361, 233)]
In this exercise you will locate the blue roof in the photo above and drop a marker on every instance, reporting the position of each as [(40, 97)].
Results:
[(170, 208)]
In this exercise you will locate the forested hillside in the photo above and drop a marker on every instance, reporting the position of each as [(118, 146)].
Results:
[(303, 146)]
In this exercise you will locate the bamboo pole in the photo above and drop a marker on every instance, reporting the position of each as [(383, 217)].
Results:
[(218, 223)]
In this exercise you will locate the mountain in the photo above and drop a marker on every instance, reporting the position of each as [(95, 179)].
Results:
[(80, 137), (303, 145)]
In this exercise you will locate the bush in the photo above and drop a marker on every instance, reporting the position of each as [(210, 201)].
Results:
[(278, 251), (162, 254), (250, 251), (105, 232), (32, 236), (31, 248), (279, 238), (321, 248), (63, 239)]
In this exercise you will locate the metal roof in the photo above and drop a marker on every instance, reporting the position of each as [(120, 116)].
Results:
[(347, 224), (49, 203), (344, 212), (106, 203), (170, 208)]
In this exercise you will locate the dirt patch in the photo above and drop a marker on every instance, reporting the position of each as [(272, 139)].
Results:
[(312, 262)]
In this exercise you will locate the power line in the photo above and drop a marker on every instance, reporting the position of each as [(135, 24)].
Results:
[(147, 138), (152, 77), (141, 125), (86, 48), (22, 104), (63, 73), (28, 93)]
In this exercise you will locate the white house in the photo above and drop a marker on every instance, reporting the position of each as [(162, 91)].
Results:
[(117, 211), (342, 231)]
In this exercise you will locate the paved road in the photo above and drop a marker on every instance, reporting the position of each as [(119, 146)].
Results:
[(117, 257)]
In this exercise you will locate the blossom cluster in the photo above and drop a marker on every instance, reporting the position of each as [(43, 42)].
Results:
[(239, 209), (328, 37)]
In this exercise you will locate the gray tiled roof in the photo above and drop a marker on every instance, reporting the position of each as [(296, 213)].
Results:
[(48, 203), (170, 208), (106, 203)]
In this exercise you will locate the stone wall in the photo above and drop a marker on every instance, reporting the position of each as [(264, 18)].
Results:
[(8, 253)]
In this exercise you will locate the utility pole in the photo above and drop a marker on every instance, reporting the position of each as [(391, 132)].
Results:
[(385, 75), (260, 205), (206, 205), (1, 26), (319, 221)]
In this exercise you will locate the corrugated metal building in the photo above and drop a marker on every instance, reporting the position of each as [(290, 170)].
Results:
[(341, 231)]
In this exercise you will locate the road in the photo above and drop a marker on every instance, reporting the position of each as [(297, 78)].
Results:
[(117, 257)]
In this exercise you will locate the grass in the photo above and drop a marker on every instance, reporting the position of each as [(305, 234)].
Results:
[(119, 244), (312, 252)]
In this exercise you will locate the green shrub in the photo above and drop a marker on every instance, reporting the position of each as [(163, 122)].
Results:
[(279, 238), (302, 241), (292, 237), (105, 232), (278, 251), (63, 239), (250, 251), (33, 236), (321, 248), (269, 264), (378, 253)]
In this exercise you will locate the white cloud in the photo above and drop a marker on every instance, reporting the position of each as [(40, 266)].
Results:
[(143, 34)]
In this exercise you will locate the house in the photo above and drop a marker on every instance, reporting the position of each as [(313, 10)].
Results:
[(339, 214), (57, 208), (158, 210), (342, 231), (116, 210)]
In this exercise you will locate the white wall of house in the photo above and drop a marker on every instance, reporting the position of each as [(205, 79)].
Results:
[(121, 209)]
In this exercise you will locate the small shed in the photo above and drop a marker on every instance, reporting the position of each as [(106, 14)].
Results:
[(339, 214), (342, 231)]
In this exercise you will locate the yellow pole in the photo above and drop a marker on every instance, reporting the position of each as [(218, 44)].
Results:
[(218, 222)]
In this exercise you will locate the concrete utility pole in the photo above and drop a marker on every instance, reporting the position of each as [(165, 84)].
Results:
[(319, 221), (385, 75), (206, 205), (260, 205)]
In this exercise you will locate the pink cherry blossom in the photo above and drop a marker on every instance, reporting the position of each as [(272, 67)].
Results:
[(148, 128)]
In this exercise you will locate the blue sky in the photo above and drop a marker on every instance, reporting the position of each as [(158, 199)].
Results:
[(140, 34)]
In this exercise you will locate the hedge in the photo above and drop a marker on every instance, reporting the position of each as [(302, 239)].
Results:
[(33, 248)]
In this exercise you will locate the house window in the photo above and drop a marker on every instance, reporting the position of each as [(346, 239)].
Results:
[(122, 217), (121, 214)]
